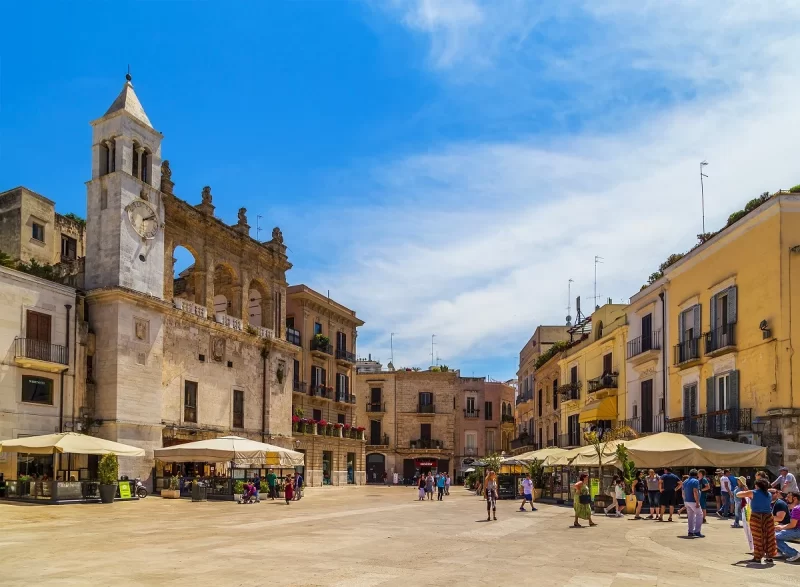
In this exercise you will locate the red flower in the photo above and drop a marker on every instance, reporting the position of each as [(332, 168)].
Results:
[(361, 429), (337, 426), (322, 423), (295, 419), (347, 426), (311, 421)]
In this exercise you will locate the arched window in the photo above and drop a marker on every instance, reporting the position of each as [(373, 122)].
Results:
[(599, 334), (103, 158), (135, 164)]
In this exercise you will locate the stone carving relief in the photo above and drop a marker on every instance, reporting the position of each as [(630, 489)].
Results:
[(206, 194), (242, 216), (141, 329), (218, 348), (166, 177)]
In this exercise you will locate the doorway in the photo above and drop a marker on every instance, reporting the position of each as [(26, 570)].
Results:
[(647, 406), (376, 467)]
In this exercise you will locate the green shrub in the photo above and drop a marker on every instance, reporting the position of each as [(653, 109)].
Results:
[(795, 189), (736, 216), (108, 469), (238, 487)]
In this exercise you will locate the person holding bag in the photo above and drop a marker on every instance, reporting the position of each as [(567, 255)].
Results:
[(583, 501)]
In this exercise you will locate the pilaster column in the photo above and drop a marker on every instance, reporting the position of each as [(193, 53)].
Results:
[(236, 303), (209, 287), (169, 264), (199, 286), (110, 144)]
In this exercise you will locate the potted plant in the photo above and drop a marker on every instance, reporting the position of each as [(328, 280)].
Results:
[(311, 426), (108, 475), (174, 491), (238, 490), (295, 423), (628, 476), (322, 427), (337, 430), (320, 340), (360, 431)]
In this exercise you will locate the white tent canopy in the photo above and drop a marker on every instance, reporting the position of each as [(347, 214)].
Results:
[(69, 442), (242, 451), (545, 456), (679, 450)]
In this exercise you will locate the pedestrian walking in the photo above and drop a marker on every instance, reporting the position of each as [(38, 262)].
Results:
[(271, 479), (527, 493), (741, 485), (490, 487), (717, 489), (705, 491), (734, 488), (761, 523), (639, 488), (786, 482), (429, 486), (421, 487), (669, 484), (447, 484), (652, 481), (582, 501), (298, 486), (725, 489), (791, 529), (440, 487), (618, 503), (288, 490), (691, 500)]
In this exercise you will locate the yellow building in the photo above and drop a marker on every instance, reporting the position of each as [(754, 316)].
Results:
[(593, 375), (730, 303)]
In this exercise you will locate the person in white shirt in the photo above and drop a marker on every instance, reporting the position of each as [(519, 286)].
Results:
[(725, 488), (527, 493), (786, 482)]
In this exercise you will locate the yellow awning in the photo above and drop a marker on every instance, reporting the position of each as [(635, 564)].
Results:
[(604, 409)]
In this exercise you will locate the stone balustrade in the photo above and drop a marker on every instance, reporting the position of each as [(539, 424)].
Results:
[(229, 321), (190, 307), (264, 332)]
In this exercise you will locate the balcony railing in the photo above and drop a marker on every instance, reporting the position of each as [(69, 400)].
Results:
[(299, 386), (688, 350), (379, 441), (316, 345), (507, 418), (426, 409), (524, 397), (427, 443), (720, 338), (376, 407), (476, 413), (343, 355), (190, 307), (321, 391), (341, 397), (293, 336), (719, 424), (607, 381), (29, 348), (642, 344), (229, 321), (523, 441), (352, 398), (570, 391), (644, 426)]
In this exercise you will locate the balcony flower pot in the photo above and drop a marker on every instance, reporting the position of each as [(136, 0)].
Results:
[(108, 474)]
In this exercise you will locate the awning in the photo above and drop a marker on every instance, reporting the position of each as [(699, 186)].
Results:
[(242, 451), (545, 456), (677, 450), (69, 442), (603, 409)]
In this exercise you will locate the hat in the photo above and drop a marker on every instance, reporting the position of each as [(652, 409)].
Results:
[(718, 471), (742, 480), (784, 468)]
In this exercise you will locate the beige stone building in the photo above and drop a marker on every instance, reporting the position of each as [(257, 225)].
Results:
[(484, 420), (410, 421), (526, 408), (31, 229), (323, 387), (45, 352), (547, 405)]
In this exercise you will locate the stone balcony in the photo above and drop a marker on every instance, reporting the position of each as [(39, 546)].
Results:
[(222, 318)]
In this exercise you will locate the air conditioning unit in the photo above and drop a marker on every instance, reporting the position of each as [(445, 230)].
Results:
[(748, 438)]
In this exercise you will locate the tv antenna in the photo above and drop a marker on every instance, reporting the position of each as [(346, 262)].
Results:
[(703, 163), (433, 336), (569, 301), (597, 260), (258, 227)]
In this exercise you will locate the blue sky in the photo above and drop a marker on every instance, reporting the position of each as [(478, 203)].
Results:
[(440, 167)]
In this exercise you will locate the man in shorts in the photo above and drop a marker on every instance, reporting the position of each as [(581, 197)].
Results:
[(669, 484), (527, 493)]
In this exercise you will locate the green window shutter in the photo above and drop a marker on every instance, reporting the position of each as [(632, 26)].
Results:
[(681, 326), (710, 403), (687, 404), (696, 312), (732, 295), (733, 381), (712, 313)]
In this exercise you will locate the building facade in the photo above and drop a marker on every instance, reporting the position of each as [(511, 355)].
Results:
[(45, 345), (730, 302), (547, 410), (484, 420), (409, 418), (591, 372)]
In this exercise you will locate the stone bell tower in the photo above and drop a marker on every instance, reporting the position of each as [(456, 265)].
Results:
[(125, 215)]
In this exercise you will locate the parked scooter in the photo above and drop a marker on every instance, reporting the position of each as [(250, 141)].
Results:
[(139, 488)]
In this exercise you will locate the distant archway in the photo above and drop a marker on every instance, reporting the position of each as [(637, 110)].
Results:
[(259, 311), (226, 300), (184, 284)]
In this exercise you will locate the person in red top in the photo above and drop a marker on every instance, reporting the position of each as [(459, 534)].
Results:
[(288, 491)]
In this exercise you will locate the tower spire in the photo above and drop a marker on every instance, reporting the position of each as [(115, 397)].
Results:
[(128, 75)]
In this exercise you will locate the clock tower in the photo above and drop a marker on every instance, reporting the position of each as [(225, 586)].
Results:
[(125, 214)]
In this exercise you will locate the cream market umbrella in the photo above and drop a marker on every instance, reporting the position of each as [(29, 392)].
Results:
[(69, 442), (545, 455), (667, 449), (586, 456), (242, 451)]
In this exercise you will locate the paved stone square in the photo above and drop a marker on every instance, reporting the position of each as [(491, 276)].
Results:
[(361, 536)]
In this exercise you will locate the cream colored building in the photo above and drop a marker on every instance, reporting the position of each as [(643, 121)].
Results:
[(410, 421)]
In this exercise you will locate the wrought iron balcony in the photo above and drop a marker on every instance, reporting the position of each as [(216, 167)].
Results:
[(379, 441), (293, 336), (524, 397), (719, 339), (322, 347), (39, 350), (341, 397), (644, 426), (570, 391), (644, 344), (299, 386), (427, 443), (476, 413), (687, 351), (426, 409), (346, 356), (507, 418), (719, 424), (376, 407), (352, 398), (607, 381), (321, 391)]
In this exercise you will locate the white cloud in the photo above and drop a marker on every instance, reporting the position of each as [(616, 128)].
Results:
[(475, 241)]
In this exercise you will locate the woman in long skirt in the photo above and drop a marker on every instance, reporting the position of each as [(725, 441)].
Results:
[(582, 501), (761, 524)]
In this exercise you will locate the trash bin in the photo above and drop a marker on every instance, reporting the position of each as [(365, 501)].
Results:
[(199, 492)]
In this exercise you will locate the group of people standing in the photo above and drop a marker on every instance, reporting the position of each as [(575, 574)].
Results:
[(292, 486), (427, 483)]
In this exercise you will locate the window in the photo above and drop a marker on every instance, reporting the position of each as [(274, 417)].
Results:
[(471, 441), (574, 430), (135, 164), (340, 418), (190, 401), (607, 363), (555, 435), (573, 375), (318, 376), (647, 332), (69, 248), (490, 441), (425, 431), (470, 405), (425, 398), (290, 322), (37, 390), (238, 408), (37, 326), (317, 328), (145, 175), (723, 394), (296, 372), (539, 401), (37, 231), (555, 394), (316, 414), (487, 410), (341, 341)]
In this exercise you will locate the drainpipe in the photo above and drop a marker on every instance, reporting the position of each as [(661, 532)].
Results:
[(662, 295), (61, 399), (75, 362), (264, 356)]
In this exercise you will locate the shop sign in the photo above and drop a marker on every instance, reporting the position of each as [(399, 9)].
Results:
[(125, 489), (594, 487), (425, 462)]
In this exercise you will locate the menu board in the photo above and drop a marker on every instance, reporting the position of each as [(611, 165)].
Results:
[(125, 489)]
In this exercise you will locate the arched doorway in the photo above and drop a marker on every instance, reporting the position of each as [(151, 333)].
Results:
[(376, 467)]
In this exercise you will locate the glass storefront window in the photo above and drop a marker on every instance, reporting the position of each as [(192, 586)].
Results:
[(34, 465), (327, 466)]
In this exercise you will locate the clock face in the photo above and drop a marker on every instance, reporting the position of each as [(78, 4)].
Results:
[(143, 219)]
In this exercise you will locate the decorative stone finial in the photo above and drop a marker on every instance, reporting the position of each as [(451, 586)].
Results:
[(166, 177), (242, 216), (128, 75), (206, 195), (242, 225), (277, 235), (206, 207)]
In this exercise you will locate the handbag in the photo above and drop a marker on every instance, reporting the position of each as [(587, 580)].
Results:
[(585, 499)]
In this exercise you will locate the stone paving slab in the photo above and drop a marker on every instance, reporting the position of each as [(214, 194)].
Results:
[(362, 536)]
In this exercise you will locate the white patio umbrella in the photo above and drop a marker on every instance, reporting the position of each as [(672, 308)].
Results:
[(545, 456), (241, 451), (69, 442)]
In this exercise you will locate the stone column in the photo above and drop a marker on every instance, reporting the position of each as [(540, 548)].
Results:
[(119, 154), (199, 286), (236, 303), (169, 264), (138, 155), (110, 144)]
